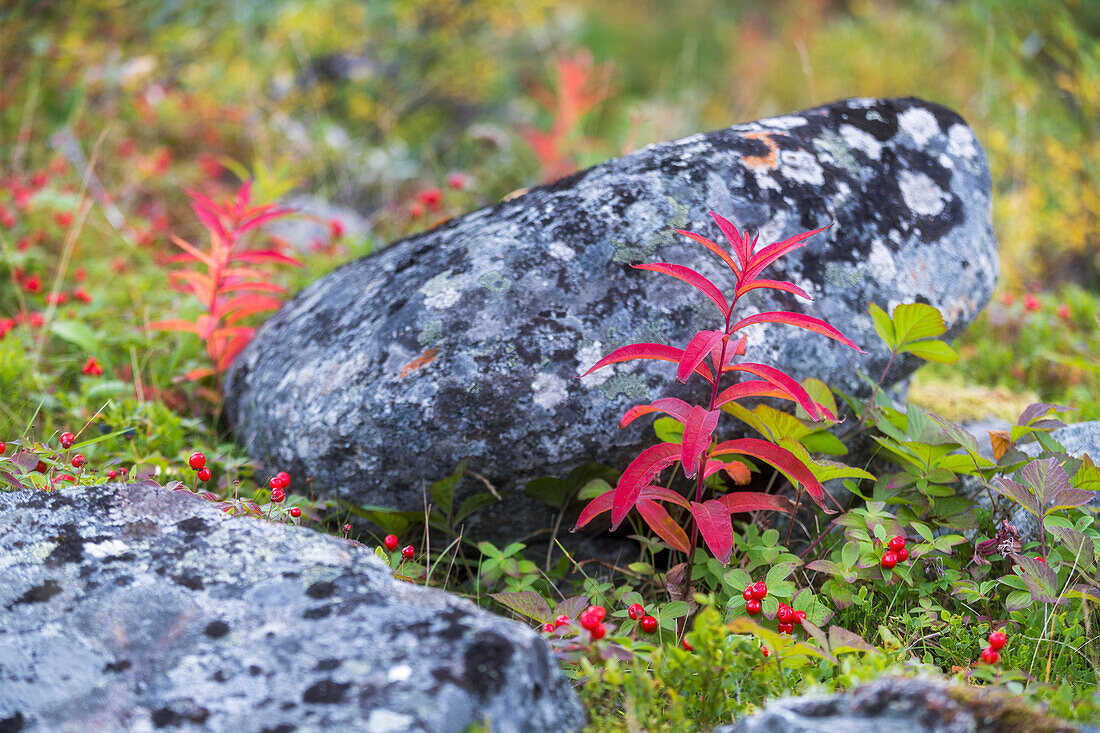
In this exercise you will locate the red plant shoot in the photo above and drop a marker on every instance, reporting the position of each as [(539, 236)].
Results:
[(232, 287), (698, 452)]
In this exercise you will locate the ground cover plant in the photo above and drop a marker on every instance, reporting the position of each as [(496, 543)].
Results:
[(113, 333)]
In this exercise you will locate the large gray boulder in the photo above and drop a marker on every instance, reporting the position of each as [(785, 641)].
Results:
[(913, 705), (465, 341), (131, 607)]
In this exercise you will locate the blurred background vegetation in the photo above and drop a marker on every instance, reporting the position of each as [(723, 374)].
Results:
[(410, 111)]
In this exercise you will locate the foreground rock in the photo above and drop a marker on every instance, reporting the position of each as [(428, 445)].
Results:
[(134, 608), (902, 704), (464, 341)]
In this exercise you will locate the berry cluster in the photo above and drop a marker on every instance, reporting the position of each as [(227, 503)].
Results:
[(753, 595), (197, 462), (786, 618), (647, 623), (591, 619), (895, 553), (279, 483), (997, 641), (550, 626)]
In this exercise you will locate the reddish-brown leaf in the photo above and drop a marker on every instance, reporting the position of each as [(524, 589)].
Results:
[(671, 406), (755, 501), (658, 519), (784, 461)]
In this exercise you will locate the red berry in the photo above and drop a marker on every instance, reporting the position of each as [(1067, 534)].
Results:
[(752, 607), (79, 460), (277, 495), (276, 483), (561, 620), (747, 594), (765, 651), (3, 448), (548, 628), (903, 554), (997, 640), (390, 542), (67, 440), (196, 461), (40, 467), (347, 528), (284, 477), (409, 552), (759, 590), (635, 612), (295, 512), (431, 197), (203, 474), (112, 474), (586, 619), (649, 624), (456, 181), (889, 559), (990, 656), (785, 615), (687, 646), (896, 543), (799, 616), (598, 631), (786, 628), (598, 612)]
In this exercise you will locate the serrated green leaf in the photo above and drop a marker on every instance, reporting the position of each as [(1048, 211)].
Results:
[(915, 321), (932, 350), (884, 327)]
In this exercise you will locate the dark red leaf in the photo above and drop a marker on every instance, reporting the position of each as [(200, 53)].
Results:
[(797, 319), (693, 278), (773, 252), (784, 461), (697, 433), (650, 462), (713, 520), (647, 351), (663, 525), (755, 501), (774, 285), (750, 388), (595, 508), (715, 249), (741, 244), (785, 383), (697, 350), (671, 406)]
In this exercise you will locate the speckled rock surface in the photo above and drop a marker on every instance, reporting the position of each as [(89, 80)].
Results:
[(464, 341), (1079, 440), (137, 608), (903, 704)]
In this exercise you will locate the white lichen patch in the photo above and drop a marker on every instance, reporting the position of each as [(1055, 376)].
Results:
[(801, 166), (106, 549), (862, 141), (549, 390), (587, 356), (920, 124), (387, 721), (961, 142), (921, 194), (881, 262), (442, 291), (763, 180), (787, 122), (561, 251), (399, 673)]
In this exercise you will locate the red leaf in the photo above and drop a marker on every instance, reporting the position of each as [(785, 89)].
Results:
[(660, 493), (784, 461), (741, 244), (697, 350), (256, 286), (713, 520), (773, 252), (693, 278), (193, 251), (647, 351), (697, 432), (175, 325), (774, 285), (663, 525), (595, 508), (784, 382), (755, 501), (713, 248), (268, 255), (650, 462), (797, 319), (262, 219), (671, 406), (749, 388)]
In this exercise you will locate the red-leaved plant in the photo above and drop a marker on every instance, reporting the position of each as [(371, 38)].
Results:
[(232, 288), (697, 451)]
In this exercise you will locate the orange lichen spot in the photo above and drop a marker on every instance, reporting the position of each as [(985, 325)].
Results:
[(771, 160), (419, 362)]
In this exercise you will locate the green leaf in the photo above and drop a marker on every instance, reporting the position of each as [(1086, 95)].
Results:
[(675, 609), (780, 571), (550, 490), (849, 554), (737, 579), (884, 327), (668, 430), (474, 503), (915, 321), (527, 603), (822, 441), (922, 530), (842, 641), (443, 491), (76, 332), (932, 350)]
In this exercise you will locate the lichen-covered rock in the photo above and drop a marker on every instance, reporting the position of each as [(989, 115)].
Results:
[(134, 608), (465, 341), (904, 704), (1079, 440)]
